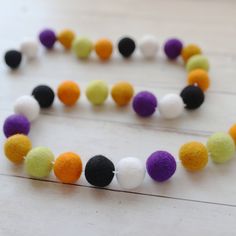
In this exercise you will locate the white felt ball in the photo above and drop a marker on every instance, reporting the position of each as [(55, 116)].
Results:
[(130, 172), (27, 106), (29, 48), (148, 46), (171, 106)]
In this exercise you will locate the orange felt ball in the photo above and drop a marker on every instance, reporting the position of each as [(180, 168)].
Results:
[(103, 48), (68, 92), (189, 51), (232, 132), (68, 167), (122, 92), (66, 38), (199, 77)]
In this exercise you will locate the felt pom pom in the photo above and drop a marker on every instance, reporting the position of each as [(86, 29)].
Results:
[(13, 58), (161, 165), (103, 48), (122, 93), (16, 124), (68, 92), (144, 103), (97, 92), (47, 37), (171, 106), (44, 95), (29, 48), (16, 147), (232, 132), (65, 38), (193, 156), (199, 77), (193, 97), (130, 172), (82, 47), (221, 147), (197, 62), (39, 162), (99, 171), (148, 46), (27, 106), (173, 48), (126, 47), (189, 51), (68, 167)]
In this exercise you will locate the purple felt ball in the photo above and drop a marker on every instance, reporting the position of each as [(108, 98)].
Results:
[(161, 165), (16, 124), (173, 48), (144, 104), (47, 38)]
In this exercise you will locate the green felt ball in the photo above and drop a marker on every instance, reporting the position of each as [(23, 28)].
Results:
[(82, 47), (221, 147), (38, 162), (97, 92), (197, 62)]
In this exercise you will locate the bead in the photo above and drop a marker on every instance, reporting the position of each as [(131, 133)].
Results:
[(171, 106), (16, 147), (148, 46), (232, 132), (27, 106), (68, 92), (65, 38), (68, 167), (197, 62), (29, 48), (126, 47), (47, 37), (99, 171), (13, 58), (144, 103), (192, 96), (193, 156), (44, 95), (16, 124), (221, 147), (161, 165), (97, 92), (189, 51), (200, 78), (122, 93), (103, 48), (130, 172), (82, 47), (39, 162), (173, 48)]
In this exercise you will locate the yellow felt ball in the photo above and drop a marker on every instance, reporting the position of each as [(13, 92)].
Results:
[(16, 147), (103, 48), (66, 38), (122, 92), (189, 51), (193, 156), (232, 132)]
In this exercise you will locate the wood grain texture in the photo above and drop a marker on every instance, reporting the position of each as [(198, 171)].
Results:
[(189, 204)]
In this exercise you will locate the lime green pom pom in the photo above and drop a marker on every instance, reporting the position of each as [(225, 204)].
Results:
[(97, 92), (38, 162), (82, 47), (221, 147), (197, 62)]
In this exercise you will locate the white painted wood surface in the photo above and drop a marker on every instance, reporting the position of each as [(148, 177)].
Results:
[(188, 204)]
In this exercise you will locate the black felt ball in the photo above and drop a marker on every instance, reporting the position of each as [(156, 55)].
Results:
[(192, 96), (13, 58), (126, 47), (99, 171), (44, 95)]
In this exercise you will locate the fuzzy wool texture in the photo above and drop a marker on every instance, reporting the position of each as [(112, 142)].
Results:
[(148, 45), (130, 172), (221, 147), (13, 58), (82, 47), (104, 48), (66, 38), (126, 47), (197, 62), (193, 156), (173, 48), (29, 48), (189, 51), (48, 38)]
